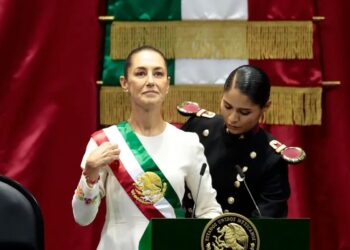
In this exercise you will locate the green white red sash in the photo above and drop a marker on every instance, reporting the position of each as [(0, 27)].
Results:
[(139, 175)]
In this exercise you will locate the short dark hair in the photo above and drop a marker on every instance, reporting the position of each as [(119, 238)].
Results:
[(251, 81), (127, 64)]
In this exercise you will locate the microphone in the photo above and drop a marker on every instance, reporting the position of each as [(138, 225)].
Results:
[(241, 178), (201, 173), (204, 166)]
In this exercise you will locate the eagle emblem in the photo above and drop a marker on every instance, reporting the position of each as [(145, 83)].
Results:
[(149, 188), (230, 231)]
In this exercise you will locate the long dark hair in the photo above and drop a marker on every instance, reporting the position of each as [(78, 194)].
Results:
[(251, 81)]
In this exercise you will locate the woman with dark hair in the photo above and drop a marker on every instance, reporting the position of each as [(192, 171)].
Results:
[(140, 165), (248, 172)]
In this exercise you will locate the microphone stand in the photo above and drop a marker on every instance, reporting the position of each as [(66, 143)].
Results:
[(204, 166), (241, 178)]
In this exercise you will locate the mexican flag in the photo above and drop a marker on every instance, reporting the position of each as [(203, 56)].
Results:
[(205, 40)]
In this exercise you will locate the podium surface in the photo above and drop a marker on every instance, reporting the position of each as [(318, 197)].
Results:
[(185, 234)]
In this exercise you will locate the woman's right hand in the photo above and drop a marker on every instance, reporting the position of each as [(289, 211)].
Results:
[(103, 155)]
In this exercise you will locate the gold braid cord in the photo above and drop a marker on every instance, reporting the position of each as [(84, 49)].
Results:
[(210, 39), (290, 105)]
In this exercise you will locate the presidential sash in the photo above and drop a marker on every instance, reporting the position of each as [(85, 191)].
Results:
[(139, 175)]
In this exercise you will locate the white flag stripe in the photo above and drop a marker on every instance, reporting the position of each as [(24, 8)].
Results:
[(133, 167), (205, 71), (214, 9), (126, 156), (163, 206), (209, 71)]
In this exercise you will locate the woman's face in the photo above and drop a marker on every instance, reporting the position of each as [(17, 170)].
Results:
[(147, 81), (239, 112)]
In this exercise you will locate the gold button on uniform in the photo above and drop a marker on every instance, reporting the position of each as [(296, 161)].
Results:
[(241, 137), (237, 184), (230, 200), (205, 132), (226, 211), (253, 154), (245, 169)]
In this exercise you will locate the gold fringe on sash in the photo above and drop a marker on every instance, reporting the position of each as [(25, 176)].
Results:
[(216, 39), (290, 105)]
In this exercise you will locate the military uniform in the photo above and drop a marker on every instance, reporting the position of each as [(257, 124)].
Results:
[(266, 172)]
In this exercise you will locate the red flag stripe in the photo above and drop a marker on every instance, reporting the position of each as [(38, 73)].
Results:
[(126, 181)]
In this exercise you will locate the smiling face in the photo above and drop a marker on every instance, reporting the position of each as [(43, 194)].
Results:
[(239, 112), (147, 78)]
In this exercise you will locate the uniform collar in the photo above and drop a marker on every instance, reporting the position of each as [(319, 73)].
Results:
[(246, 135)]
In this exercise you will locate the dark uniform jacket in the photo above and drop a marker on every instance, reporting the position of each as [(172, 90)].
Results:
[(266, 173)]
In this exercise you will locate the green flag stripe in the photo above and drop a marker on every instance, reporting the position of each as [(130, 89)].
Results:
[(113, 69), (136, 10), (152, 10)]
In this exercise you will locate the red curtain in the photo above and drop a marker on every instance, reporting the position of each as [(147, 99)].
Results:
[(49, 64), (282, 72), (50, 56)]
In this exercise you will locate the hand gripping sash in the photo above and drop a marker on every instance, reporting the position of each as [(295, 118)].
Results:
[(139, 175)]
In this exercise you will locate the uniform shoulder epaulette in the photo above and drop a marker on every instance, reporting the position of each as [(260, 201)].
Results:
[(189, 108), (292, 155)]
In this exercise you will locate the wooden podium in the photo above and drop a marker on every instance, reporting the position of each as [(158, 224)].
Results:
[(185, 234)]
